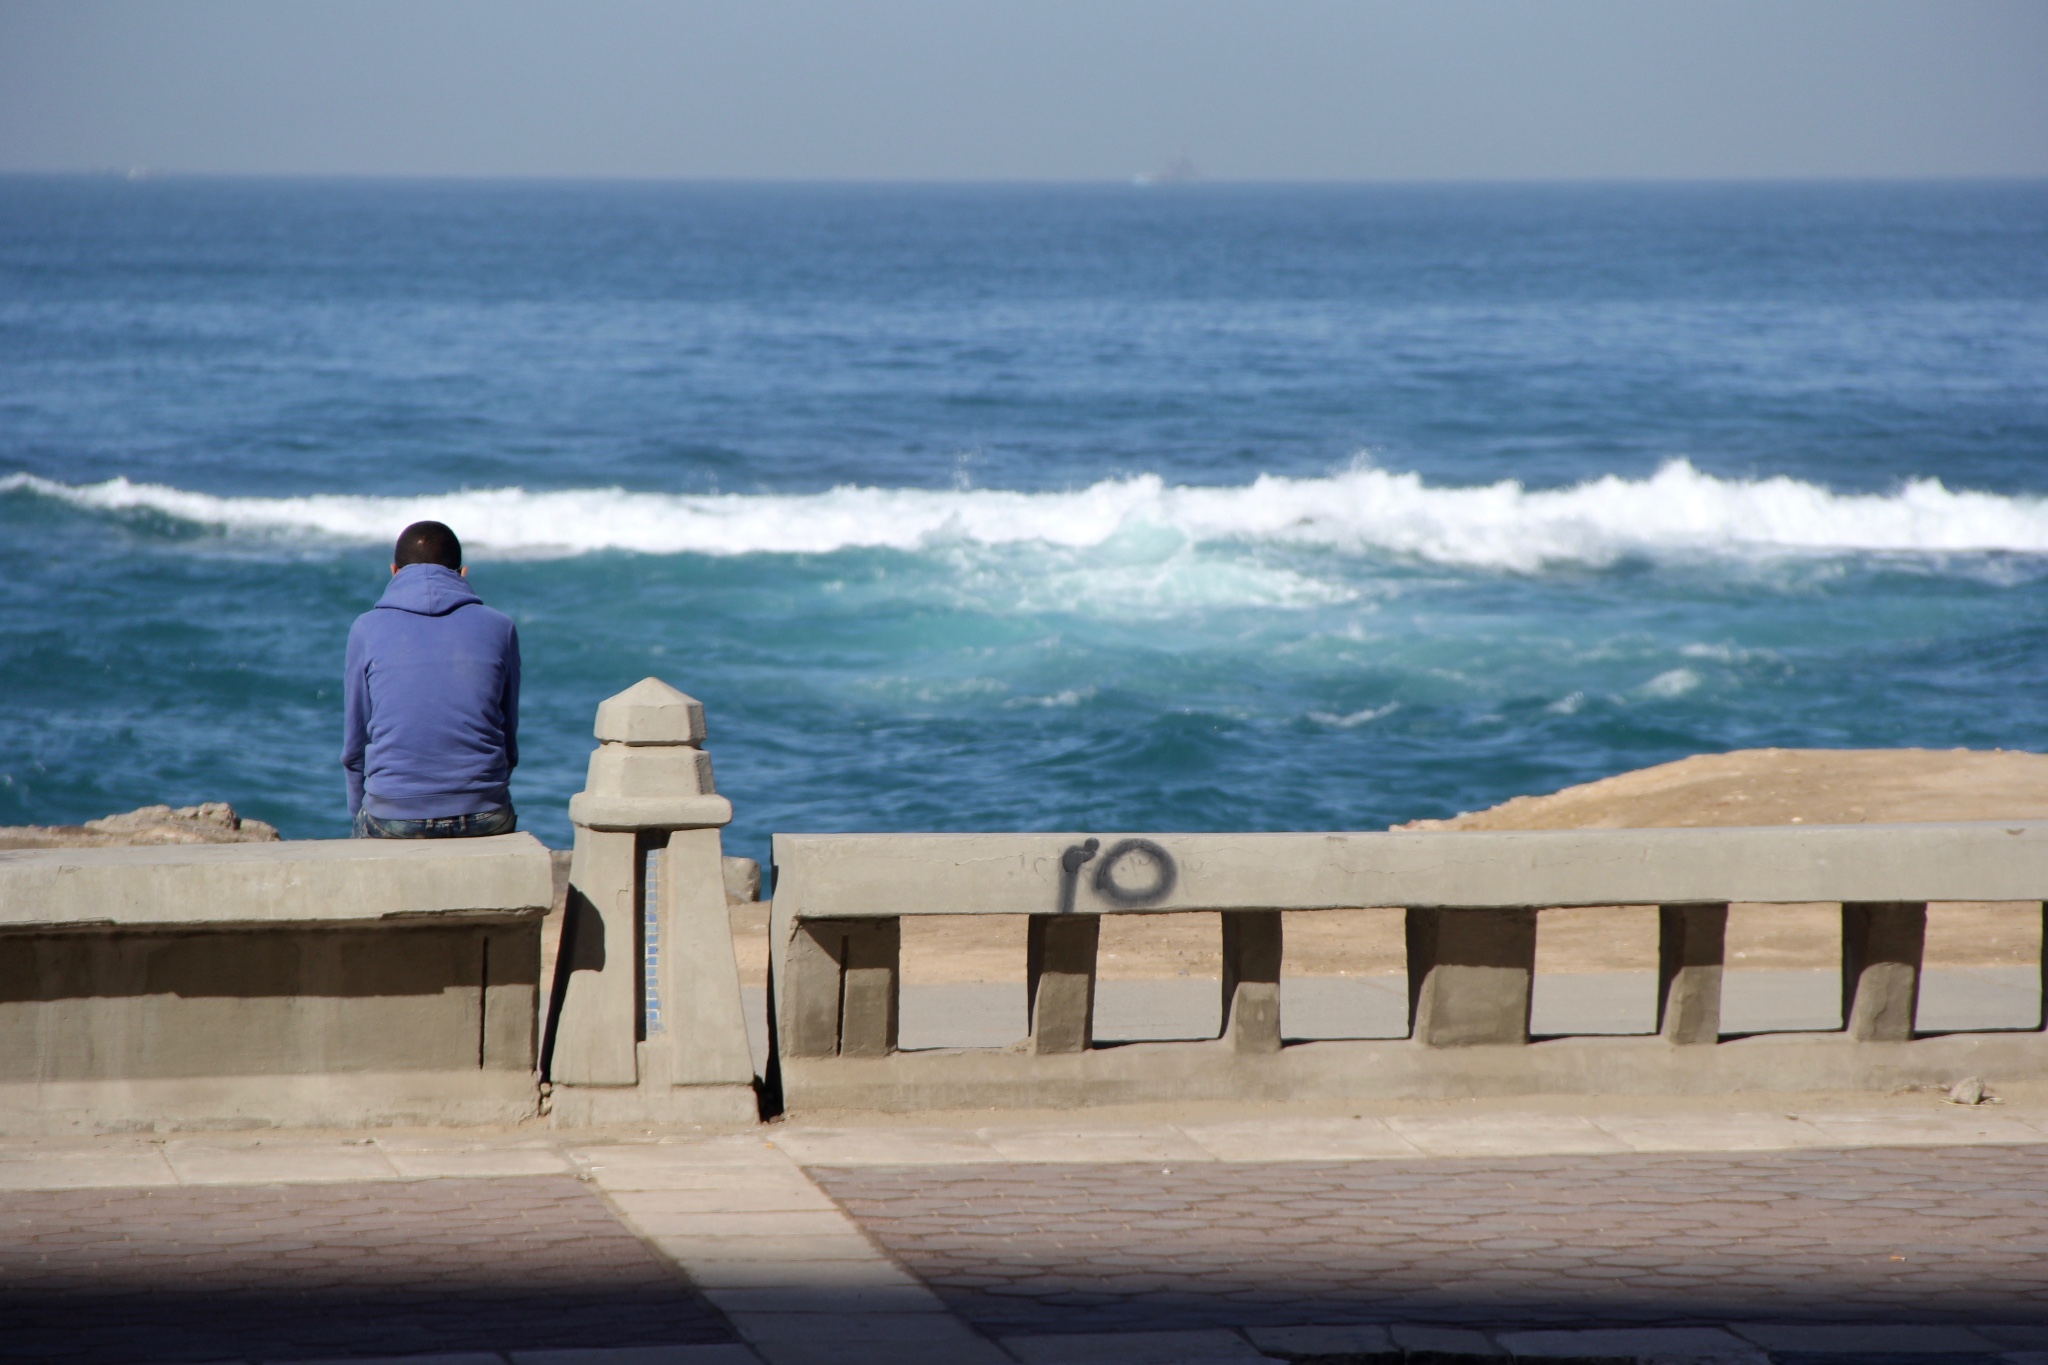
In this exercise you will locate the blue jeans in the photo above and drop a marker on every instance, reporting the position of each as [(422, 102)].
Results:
[(499, 820)]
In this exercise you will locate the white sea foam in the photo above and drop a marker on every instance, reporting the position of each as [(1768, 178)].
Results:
[(1064, 698), (1356, 718), (1673, 683), (1679, 511)]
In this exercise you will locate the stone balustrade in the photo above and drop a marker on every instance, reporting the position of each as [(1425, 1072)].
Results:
[(363, 982), (326, 983), (1472, 905)]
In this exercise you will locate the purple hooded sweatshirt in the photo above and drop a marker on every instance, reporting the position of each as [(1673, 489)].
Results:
[(430, 702)]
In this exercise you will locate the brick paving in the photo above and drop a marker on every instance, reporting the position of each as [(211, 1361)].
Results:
[(1878, 1235), (296, 1272)]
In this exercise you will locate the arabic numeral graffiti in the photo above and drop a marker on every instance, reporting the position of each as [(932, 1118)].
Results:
[(1133, 872)]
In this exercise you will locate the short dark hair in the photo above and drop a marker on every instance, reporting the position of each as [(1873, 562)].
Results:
[(427, 542)]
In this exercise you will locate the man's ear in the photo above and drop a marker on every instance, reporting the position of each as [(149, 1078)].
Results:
[(394, 571), (464, 571)]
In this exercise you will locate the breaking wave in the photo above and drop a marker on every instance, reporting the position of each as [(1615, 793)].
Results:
[(1679, 511)]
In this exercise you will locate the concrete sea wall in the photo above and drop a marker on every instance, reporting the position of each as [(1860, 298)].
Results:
[(347, 983)]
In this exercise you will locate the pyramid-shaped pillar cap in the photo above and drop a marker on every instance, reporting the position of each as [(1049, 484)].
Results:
[(650, 712)]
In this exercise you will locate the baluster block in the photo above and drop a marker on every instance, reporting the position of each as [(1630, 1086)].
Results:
[(1251, 979), (1882, 945), (869, 987), (807, 991), (1468, 975), (1060, 981), (1691, 952)]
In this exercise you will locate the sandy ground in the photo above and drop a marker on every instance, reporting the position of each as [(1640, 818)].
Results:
[(1749, 787), (1788, 787)]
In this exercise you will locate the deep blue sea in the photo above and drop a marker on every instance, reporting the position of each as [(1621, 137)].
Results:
[(1190, 507)]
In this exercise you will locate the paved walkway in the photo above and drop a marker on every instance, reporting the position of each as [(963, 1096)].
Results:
[(1872, 1236), (290, 1272), (1446, 1233)]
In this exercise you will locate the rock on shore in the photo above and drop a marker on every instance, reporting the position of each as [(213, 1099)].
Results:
[(213, 822)]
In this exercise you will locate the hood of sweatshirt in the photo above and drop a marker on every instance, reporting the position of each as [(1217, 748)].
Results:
[(427, 590)]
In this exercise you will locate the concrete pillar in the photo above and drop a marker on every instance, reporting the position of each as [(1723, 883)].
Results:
[(1251, 979), (647, 1023), (1882, 943), (706, 1022), (1060, 981), (1469, 974), (1691, 948)]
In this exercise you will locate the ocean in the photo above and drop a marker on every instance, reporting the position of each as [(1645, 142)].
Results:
[(1191, 507)]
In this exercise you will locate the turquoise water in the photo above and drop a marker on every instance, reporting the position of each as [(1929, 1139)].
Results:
[(1195, 507)]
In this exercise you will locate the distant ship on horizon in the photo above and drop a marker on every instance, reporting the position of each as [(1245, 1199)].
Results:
[(1178, 171)]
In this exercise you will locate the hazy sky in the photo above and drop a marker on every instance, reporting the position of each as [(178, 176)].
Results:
[(961, 89)]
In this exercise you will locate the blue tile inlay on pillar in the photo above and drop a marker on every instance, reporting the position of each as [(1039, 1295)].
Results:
[(650, 929)]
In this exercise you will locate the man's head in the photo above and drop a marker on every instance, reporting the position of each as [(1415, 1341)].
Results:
[(428, 542)]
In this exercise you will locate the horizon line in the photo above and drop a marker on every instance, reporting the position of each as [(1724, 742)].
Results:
[(1135, 180)]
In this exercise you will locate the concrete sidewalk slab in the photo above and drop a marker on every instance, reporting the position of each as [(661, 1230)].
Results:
[(723, 1224), (1711, 1132), (203, 1162), (826, 1276), (1956, 1127), (88, 1168), (656, 1165), (885, 1146), (425, 1159), (1094, 1145), (1302, 1140), (808, 1298), (790, 1195), (1207, 1133), (1512, 1134), (687, 1249), (796, 1277), (685, 1179)]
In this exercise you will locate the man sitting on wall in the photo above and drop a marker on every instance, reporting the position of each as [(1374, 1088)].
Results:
[(430, 702)]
